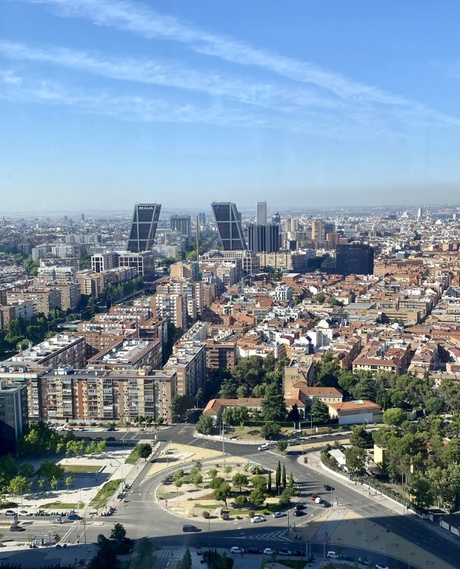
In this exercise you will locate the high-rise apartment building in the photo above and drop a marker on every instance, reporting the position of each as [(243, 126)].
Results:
[(144, 226), (317, 230), (261, 213), (229, 226), (354, 259), (183, 225), (13, 416)]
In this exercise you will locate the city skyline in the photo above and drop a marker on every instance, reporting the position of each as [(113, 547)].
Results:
[(106, 104)]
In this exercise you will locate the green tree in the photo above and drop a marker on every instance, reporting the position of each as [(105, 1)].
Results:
[(270, 431), (239, 480), (394, 417), (236, 415), (257, 496), (68, 482), (26, 469), (205, 425), (319, 411), (241, 501), (19, 485), (420, 492), (355, 460), (283, 477), (144, 450), (222, 492), (278, 477), (216, 481), (118, 533), (180, 404), (273, 404), (281, 445), (269, 482), (360, 437)]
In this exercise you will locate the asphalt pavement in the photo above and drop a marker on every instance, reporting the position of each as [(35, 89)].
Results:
[(142, 515)]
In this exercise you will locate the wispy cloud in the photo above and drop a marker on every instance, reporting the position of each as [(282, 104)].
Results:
[(170, 74), (16, 88), (146, 22)]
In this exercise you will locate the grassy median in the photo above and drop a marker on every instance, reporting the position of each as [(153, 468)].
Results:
[(105, 493)]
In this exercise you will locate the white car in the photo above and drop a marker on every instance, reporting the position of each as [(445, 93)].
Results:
[(284, 552), (380, 566), (269, 551), (265, 446), (278, 515), (236, 549), (24, 513), (332, 555), (257, 519)]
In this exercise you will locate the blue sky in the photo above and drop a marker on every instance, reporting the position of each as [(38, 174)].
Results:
[(303, 103)]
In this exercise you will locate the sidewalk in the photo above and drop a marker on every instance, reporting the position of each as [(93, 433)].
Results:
[(341, 525)]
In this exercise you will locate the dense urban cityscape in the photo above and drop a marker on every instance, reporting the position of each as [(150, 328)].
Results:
[(229, 284), (237, 328)]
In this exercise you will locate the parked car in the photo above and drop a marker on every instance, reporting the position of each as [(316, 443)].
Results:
[(329, 488), (265, 446), (10, 513), (257, 519), (254, 550), (300, 506), (313, 497), (332, 555), (17, 528), (381, 566), (24, 513), (298, 513), (269, 551), (278, 514), (363, 561), (285, 552), (326, 504), (236, 549), (73, 517)]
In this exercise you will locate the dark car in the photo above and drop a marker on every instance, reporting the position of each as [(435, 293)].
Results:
[(300, 506), (17, 528), (254, 550), (73, 517), (329, 488), (325, 504), (110, 439), (110, 429), (299, 513)]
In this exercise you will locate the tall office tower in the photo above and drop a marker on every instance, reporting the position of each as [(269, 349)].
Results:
[(182, 224), (261, 213), (144, 226), (228, 221), (419, 214), (276, 217), (354, 259), (264, 238), (317, 230), (202, 218)]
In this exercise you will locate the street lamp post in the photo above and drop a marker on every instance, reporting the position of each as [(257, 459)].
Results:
[(411, 552), (223, 439)]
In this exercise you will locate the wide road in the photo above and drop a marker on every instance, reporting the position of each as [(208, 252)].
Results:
[(142, 515)]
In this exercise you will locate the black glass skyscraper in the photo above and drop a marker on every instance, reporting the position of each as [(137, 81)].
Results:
[(144, 227), (264, 238), (228, 221), (354, 259)]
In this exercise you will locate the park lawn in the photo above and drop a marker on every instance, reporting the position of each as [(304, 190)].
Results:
[(62, 506), (105, 493), (80, 468), (170, 495)]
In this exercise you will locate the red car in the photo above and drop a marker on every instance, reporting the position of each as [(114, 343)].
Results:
[(314, 496)]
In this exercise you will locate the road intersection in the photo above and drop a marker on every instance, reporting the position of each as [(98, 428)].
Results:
[(358, 521)]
